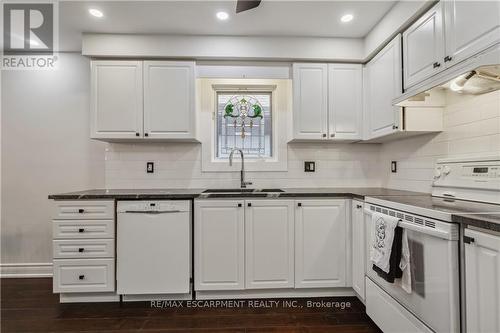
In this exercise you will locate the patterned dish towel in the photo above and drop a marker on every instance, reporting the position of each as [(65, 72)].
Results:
[(383, 230)]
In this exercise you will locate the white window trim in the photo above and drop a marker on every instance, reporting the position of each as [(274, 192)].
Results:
[(281, 113)]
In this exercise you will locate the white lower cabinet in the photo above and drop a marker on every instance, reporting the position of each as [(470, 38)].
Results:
[(257, 244), (84, 275), (358, 249), (269, 244), (219, 232), (320, 243), (482, 281), (83, 233)]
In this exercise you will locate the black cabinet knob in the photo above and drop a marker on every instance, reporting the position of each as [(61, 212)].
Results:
[(324, 135), (436, 65), (81, 211), (394, 127), (80, 249), (447, 58), (81, 230), (239, 205), (81, 277), (137, 134), (249, 204), (299, 204), (146, 134), (359, 206)]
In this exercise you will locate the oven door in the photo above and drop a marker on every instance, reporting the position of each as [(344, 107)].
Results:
[(434, 269)]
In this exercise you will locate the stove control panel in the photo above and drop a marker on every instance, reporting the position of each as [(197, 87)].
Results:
[(467, 177)]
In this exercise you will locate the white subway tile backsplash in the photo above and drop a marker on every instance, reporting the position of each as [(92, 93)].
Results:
[(471, 127)]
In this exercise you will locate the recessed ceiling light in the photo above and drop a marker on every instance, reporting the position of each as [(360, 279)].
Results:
[(222, 16), (95, 12), (347, 18)]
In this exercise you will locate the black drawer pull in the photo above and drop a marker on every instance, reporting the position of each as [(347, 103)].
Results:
[(81, 277), (137, 134), (81, 249), (436, 65), (146, 134), (299, 204), (468, 240), (249, 204), (324, 135), (81, 211), (359, 206), (239, 205), (81, 230), (447, 58)]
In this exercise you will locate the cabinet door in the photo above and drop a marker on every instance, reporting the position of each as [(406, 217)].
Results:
[(116, 99), (470, 27), (423, 47), (384, 76), (310, 101), (345, 101), (269, 239), (482, 282), (169, 99), (320, 243), (358, 248), (219, 245)]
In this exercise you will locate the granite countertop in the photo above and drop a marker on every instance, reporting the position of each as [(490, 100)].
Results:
[(481, 215), (464, 212), (126, 194)]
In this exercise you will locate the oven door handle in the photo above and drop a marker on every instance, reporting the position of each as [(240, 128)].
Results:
[(422, 229)]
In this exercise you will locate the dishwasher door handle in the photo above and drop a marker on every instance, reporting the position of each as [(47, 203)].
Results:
[(152, 211)]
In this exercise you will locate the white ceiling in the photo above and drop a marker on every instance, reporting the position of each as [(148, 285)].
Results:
[(272, 18)]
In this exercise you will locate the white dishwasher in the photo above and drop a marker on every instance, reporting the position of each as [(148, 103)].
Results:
[(153, 247)]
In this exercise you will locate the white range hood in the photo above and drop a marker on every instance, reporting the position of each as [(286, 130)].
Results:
[(477, 75)]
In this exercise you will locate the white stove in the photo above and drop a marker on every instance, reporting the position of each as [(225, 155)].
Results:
[(471, 186)]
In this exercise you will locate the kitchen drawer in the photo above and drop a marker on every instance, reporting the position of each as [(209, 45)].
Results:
[(84, 275), (83, 209), (65, 229), (84, 248)]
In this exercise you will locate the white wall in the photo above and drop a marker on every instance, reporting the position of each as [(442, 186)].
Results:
[(45, 149), (179, 166), (471, 127)]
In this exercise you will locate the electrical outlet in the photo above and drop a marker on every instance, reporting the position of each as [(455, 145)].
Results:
[(150, 167), (309, 166), (394, 166)]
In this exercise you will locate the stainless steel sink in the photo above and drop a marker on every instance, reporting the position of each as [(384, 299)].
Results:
[(243, 190)]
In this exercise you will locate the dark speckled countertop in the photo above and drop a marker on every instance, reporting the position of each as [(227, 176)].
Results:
[(465, 212), (126, 194)]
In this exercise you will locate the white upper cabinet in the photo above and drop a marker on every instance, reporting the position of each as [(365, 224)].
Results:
[(327, 101), (320, 244), (310, 101), (116, 99), (482, 282), (470, 27), (142, 100), (169, 99), (423, 47), (219, 236), (269, 243), (345, 101), (383, 76)]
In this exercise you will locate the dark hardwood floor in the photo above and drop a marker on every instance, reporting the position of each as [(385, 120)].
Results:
[(28, 305)]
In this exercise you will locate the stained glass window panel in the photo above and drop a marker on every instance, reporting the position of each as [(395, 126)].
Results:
[(244, 121)]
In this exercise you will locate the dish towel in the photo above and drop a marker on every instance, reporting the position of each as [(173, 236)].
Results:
[(404, 265), (383, 230)]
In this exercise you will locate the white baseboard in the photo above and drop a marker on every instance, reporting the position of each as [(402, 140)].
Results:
[(26, 270)]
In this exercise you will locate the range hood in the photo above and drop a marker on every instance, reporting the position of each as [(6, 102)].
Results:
[(475, 76)]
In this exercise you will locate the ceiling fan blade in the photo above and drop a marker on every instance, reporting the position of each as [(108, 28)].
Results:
[(243, 5)]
